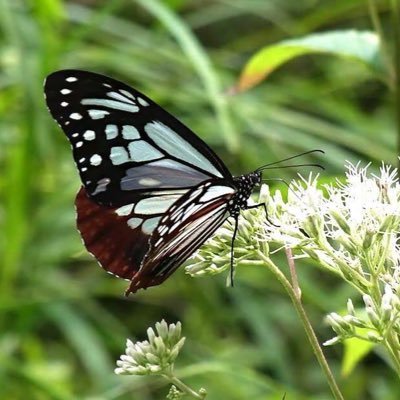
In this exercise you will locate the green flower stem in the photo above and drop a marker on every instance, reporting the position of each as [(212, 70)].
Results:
[(390, 344), (389, 337), (296, 299), (293, 273), (183, 387)]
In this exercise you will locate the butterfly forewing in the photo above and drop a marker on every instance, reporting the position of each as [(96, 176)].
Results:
[(187, 224), (125, 146)]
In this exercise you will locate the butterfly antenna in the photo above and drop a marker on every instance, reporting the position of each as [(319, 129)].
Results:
[(292, 166), (289, 158)]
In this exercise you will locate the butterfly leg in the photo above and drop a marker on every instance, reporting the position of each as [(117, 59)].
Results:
[(266, 212), (232, 247)]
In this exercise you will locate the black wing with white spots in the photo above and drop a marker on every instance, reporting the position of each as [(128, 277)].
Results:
[(125, 146)]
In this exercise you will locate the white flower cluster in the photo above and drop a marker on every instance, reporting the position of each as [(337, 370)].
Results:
[(379, 321), (350, 228), (154, 356)]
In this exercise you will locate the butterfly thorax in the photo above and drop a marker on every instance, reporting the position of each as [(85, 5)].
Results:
[(245, 185)]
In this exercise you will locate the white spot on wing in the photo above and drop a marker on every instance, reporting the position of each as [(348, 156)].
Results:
[(79, 144), (95, 159), (64, 104), (149, 182), (71, 79), (97, 114), (65, 91), (89, 135), (75, 116), (75, 134)]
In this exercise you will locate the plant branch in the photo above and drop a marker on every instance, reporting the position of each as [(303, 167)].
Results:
[(183, 387), (293, 273), (306, 324)]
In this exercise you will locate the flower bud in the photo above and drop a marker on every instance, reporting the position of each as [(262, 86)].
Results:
[(373, 317), (153, 356), (341, 221), (350, 307), (368, 238), (374, 337), (332, 341)]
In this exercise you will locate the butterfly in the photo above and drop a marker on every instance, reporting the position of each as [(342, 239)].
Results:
[(152, 191)]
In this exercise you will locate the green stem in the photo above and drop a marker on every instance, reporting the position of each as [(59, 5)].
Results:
[(293, 273), (183, 387), (296, 300), (390, 344)]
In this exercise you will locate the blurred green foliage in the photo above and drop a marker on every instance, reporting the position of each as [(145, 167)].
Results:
[(63, 321)]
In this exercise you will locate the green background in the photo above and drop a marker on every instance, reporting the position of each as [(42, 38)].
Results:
[(64, 321)]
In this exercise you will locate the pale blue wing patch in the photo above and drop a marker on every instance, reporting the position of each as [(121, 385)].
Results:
[(172, 143), (140, 151), (119, 97), (119, 155), (150, 224), (97, 114), (134, 222), (130, 132), (116, 105), (156, 204), (111, 131)]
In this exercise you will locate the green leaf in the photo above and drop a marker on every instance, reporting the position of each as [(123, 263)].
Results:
[(355, 350), (357, 45)]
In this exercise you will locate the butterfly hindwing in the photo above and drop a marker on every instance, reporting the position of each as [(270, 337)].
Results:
[(186, 225), (118, 237), (123, 143)]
